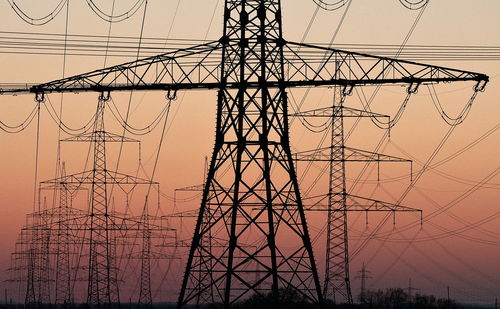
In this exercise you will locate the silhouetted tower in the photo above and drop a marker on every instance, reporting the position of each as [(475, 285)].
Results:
[(145, 296), (337, 282), (38, 264), (251, 190), (337, 254), (63, 262), (363, 275), (410, 291), (30, 297), (252, 143), (43, 267), (102, 281), (337, 286)]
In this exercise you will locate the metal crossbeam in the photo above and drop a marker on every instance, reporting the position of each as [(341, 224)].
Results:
[(350, 155), (251, 67), (197, 68), (328, 112), (337, 67)]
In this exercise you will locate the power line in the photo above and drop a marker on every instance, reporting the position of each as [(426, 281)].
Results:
[(37, 21), (112, 18), (330, 6), (414, 4)]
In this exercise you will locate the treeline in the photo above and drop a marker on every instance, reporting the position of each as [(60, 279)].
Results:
[(399, 298), (395, 298)]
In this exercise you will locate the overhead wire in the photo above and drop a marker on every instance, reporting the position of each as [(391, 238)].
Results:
[(448, 158), (460, 198), (420, 173), (122, 118), (21, 126), (58, 166), (37, 21), (109, 35), (414, 4), (62, 125), (40, 21), (37, 151), (433, 167), (145, 208), (330, 6), (112, 18), (382, 223), (451, 121), (134, 130), (297, 107)]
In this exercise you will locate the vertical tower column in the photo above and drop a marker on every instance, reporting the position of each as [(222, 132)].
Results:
[(102, 285), (251, 205), (30, 297), (145, 296), (63, 264), (337, 284), (43, 271)]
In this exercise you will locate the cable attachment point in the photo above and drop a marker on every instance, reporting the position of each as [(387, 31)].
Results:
[(171, 94), (40, 97), (105, 96), (347, 91), (413, 88), (480, 86)]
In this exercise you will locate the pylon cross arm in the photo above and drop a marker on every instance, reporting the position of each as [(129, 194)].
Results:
[(195, 67), (350, 154), (328, 66), (198, 67), (328, 112), (359, 203), (356, 203)]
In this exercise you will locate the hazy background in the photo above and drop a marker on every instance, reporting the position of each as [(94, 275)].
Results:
[(449, 250)]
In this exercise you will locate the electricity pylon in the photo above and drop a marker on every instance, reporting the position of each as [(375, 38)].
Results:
[(103, 281), (70, 229), (102, 225), (258, 197), (363, 275), (63, 262), (337, 285)]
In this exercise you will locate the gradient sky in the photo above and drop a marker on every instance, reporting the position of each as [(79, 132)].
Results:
[(469, 267)]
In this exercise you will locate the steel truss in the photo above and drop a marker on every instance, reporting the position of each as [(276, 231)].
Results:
[(337, 286), (251, 67), (63, 231)]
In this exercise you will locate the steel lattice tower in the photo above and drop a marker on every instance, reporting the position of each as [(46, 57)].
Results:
[(102, 284), (251, 191), (145, 296), (252, 142), (30, 297), (337, 254), (63, 263), (337, 286), (363, 275)]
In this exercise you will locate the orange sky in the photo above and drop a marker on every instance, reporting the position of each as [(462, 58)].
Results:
[(458, 261)]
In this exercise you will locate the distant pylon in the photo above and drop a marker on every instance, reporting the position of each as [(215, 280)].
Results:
[(30, 297), (363, 275), (43, 267), (145, 296), (337, 286), (252, 185), (102, 284), (410, 290), (63, 262)]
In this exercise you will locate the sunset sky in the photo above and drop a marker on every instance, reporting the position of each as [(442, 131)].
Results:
[(458, 245)]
